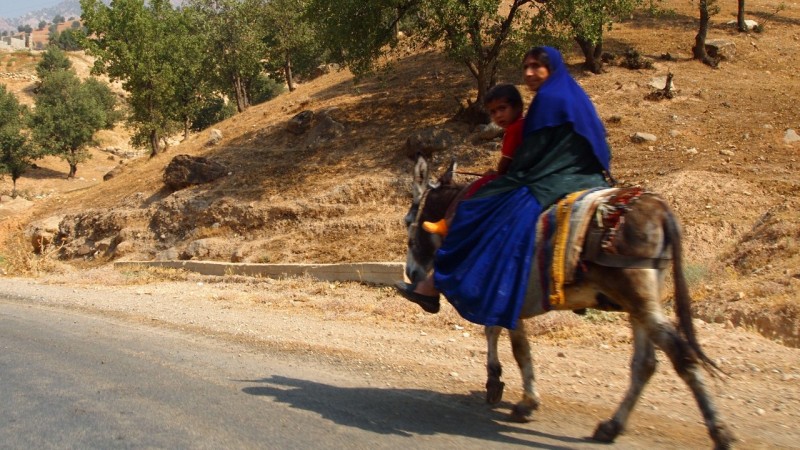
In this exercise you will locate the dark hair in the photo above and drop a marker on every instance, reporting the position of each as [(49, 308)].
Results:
[(507, 92), (539, 54)]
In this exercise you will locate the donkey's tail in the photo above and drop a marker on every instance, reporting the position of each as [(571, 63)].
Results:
[(682, 299)]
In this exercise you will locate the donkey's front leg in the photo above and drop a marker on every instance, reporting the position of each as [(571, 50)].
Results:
[(494, 387), (522, 354)]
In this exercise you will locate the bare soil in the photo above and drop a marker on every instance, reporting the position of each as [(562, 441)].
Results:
[(720, 159)]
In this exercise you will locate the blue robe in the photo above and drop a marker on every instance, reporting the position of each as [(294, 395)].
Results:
[(483, 265)]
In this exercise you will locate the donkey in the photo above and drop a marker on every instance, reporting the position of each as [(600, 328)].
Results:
[(651, 235)]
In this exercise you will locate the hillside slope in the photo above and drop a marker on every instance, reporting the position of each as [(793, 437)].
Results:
[(720, 159)]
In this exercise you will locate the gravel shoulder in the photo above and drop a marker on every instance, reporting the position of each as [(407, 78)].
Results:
[(581, 364)]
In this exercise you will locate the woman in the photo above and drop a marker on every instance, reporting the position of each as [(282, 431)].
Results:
[(484, 262)]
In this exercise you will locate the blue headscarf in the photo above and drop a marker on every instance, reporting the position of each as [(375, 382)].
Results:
[(560, 100)]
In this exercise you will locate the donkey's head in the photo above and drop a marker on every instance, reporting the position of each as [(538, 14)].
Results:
[(430, 203)]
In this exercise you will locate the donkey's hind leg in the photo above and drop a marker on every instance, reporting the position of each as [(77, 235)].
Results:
[(643, 365), (522, 354), (494, 387), (664, 334)]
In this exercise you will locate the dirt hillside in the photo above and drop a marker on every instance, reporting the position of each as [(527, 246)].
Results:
[(721, 159)]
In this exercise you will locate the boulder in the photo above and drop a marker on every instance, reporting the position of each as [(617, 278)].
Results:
[(300, 123), (487, 133), (428, 141), (214, 137), (185, 170), (791, 136), (113, 172), (640, 137), (42, 233), (721, 48)]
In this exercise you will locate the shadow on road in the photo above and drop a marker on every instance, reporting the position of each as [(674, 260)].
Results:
[(405, 412)]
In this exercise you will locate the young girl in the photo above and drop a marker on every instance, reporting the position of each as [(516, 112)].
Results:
[(503, 102)]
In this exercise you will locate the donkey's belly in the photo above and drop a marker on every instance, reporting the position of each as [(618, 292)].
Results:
[(576, 296)]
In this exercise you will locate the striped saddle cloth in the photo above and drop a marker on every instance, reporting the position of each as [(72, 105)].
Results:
[(561, 233)]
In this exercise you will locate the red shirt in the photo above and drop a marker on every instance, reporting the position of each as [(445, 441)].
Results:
[(512, 138)]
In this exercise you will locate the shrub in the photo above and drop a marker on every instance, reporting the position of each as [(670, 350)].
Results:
[(264, 88), (212, 111)]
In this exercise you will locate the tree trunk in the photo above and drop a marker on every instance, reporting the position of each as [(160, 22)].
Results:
[(186, 124), (740, 17), (155, 147), (483, 85), (241, 94), (73, 169), (288, 73), (699, 49), (591, 53)]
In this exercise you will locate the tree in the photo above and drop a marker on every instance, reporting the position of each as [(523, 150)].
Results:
[(16, 154), (707, 9), (53, 60), (235, 44), (68, 112), (132, 44), (58, 19), (581, 20), (42, 25), (69, 40), (292, 46), (740, 24), (193, 86), (475, 32)]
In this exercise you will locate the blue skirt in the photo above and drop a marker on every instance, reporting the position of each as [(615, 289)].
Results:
[(484, 263)]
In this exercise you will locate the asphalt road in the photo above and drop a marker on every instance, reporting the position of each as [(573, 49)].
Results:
[(69, 380)]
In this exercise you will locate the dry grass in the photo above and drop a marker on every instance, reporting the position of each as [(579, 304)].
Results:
[(17, 257)]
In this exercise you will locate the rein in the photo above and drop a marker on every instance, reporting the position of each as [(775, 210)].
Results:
[(469, 173)]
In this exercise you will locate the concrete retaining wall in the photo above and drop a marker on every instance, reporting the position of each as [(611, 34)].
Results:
[(383, 273)]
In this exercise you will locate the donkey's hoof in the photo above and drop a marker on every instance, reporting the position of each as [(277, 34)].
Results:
[(494, 391), (723, 438), (521, 413), (607, 431)]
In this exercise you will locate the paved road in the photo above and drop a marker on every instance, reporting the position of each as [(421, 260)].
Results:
[(69, 380)]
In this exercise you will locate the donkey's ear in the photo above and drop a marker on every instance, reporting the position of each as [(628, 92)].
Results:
[(447, 176), (421, 177)]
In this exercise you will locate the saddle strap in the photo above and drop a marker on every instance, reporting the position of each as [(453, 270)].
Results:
[(594, 254)]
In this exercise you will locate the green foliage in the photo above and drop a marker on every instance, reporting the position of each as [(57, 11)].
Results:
[(134, 44), (53, 60), (16, 154), (211, 111), (292, 46), (42, 25), (68, 112), (69, 40), (582, 20), (192, 83), (264, 88), (356, 32), (236, 46), (105, 99), (474, 32)]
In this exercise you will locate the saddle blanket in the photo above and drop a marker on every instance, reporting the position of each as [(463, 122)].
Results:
[(560, 236)]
